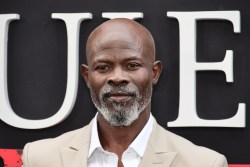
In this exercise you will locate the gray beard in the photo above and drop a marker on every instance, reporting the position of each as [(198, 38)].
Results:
[(121, 117)]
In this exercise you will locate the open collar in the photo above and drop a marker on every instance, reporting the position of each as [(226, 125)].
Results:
[(157, 153)]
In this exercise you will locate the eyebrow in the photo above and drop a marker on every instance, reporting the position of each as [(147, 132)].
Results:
[(102, 61), (105, 60), (132, 58)]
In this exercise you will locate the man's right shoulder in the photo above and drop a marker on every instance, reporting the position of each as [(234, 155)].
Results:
[(46, 150), (59, 140)]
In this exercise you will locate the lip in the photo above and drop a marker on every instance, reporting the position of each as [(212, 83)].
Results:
[(119, 96)]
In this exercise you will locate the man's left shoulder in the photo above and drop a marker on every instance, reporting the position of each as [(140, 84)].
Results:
[(188, 153)]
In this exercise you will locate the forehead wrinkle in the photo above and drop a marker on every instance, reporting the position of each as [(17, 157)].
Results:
[(118, 40)]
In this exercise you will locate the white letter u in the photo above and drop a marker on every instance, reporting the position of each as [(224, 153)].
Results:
[(72, 21)]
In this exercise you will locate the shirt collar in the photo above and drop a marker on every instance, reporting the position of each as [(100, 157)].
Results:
[(94, 142), (141, 141), (139, 144)]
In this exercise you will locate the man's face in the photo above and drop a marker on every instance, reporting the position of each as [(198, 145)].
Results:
[(119, 77)]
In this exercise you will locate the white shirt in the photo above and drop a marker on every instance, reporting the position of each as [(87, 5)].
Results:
[(131, 157)]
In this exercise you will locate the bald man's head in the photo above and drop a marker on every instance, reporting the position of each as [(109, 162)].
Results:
[(121, 33), (121, 71)]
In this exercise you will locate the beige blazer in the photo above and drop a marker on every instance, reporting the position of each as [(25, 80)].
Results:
[(164, 149)]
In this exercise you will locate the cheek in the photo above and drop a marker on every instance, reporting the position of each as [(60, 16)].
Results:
[(95, 86), (96, 82), (142, 80), (95, 89)]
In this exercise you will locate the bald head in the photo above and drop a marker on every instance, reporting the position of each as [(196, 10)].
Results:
[(121, 33), (121, 71)]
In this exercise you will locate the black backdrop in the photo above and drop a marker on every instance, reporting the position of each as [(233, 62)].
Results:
[(37, 55)]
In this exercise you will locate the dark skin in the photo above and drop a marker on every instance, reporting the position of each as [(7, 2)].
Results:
[(120, 52)]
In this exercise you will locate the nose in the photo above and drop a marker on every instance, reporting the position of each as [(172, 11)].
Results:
[(118, 78)]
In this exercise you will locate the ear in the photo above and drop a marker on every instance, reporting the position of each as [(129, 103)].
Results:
[(157, 67), (85, 73)]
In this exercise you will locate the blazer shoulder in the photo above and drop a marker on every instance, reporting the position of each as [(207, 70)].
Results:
[(57, 141), (46, 150), (187, 152)]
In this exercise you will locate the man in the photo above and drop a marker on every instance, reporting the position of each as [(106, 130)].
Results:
[(120, 74)]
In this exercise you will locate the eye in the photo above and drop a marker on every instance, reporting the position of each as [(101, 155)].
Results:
[(133, 66), (103, 68)]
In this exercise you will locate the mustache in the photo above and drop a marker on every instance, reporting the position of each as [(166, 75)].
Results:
[(108, 90)]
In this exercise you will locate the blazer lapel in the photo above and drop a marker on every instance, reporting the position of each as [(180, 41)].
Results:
[(75, 154), (154, 159), (74, 158), (157, 153)]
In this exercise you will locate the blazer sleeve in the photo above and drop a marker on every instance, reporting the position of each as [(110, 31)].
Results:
[(221, 161)]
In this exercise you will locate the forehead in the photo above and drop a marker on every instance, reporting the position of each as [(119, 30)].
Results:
[(114, 42)]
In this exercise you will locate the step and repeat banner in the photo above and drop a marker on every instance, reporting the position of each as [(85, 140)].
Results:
[(203, 93)]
